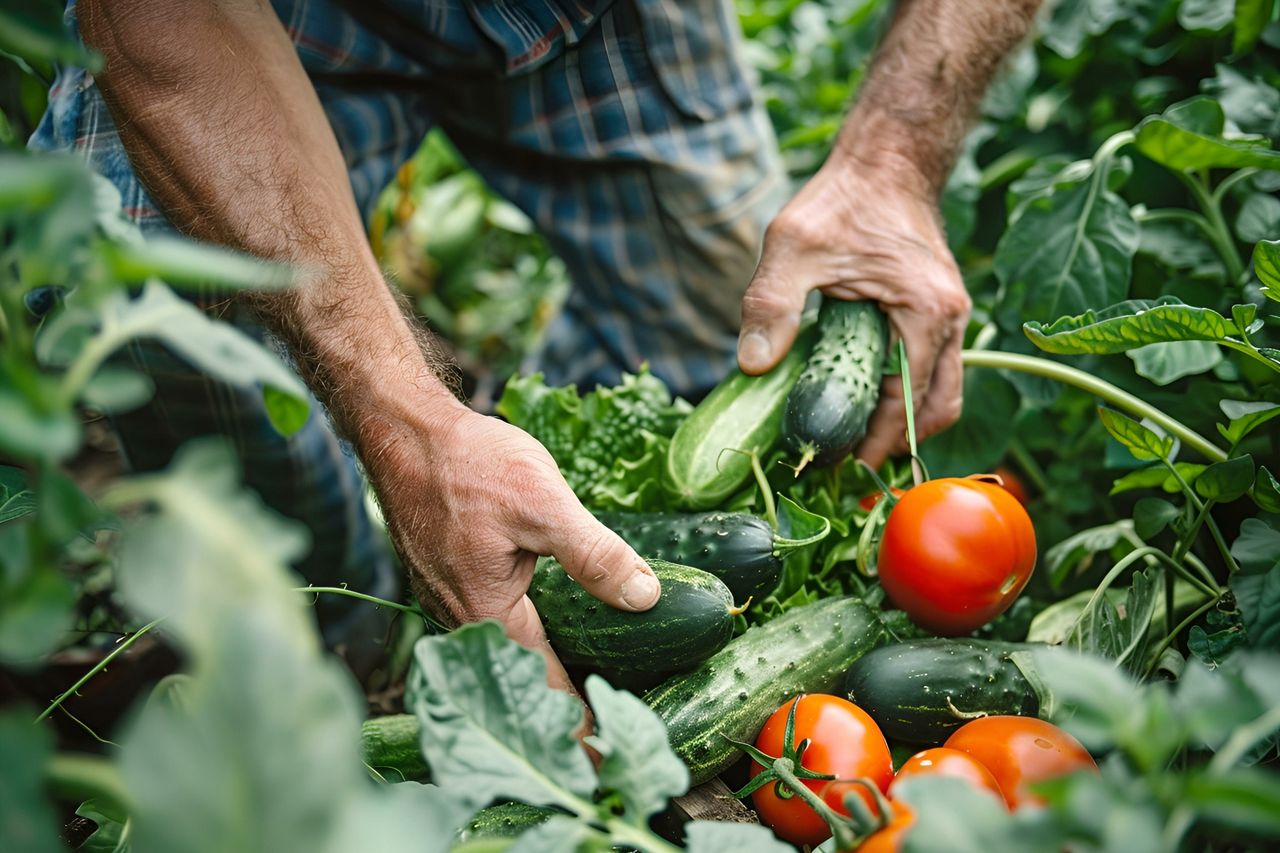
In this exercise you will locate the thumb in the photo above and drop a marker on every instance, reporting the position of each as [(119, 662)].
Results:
[(605, 565), (771, 310)]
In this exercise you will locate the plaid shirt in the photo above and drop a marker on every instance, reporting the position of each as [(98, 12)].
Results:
[(628, 131)]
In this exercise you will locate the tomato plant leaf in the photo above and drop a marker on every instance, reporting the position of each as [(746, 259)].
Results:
[(1259, 218), (1251, 18), (491, 727), (1244, 417), (1266, 490), (1168, 362), (1256, 547), (708, 836), (1258, 597), (1226, 481), (1077, 550), (1143, 442), (1266, 265), (1128, 325), (1158, 476), (636, 760), (35, 603), (1066, 252), (1152, 515), (1189, 136)]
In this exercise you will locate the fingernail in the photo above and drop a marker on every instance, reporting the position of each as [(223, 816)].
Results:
[(641, 591), (754, 349)]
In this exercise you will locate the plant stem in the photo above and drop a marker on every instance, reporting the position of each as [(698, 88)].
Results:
[(98, 667), (1119, 398), (1173, 635), (1174, 214), (1123, 563), (1221, 235), (840, 830), (1225, 185), (624, 833)]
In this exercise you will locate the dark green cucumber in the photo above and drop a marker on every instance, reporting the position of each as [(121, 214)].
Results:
[(733, 692), (923, 690), (505, 820), (741, 413), (691, 621), (736, 547), (390, 745), (829, 406)]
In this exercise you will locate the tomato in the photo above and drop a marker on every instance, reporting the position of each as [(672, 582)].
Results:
[(941, 761), (869, 502), (1020, 751), (888, 839), (1012, 484), (955, 553), (844, 741)]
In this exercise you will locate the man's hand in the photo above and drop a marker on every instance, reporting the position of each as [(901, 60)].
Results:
[(472, 502), (857, 238), (867, 225)]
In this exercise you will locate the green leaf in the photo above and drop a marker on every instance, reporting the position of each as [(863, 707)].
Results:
[(1189, 136), (1152, 515), (1206, 15), (1258, 597), (1158, 476), (1256, 547), (636, 760), (186, 264), (707, 836), (115, 389), (1251, 18), (1266, 266), (1068, 251), (27, 821), (1226, 481), (32, 424), (1129, 325), (1259, 218), (33, 30), (287, 412), (1245, 417), (1071, 22), (110, 835), (1266, 490), (797, 527), (491, 727), (1168, 362), (1088, 691), (1079, 549), (1142, 442), (1244, 799), (980, 439), (16, 498), (35, 612)]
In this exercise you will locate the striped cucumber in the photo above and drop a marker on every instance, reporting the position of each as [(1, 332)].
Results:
[(692, 620), (737, 547), (741, 413), (921, 691), (828, 408), (732, 693), (390, 745)]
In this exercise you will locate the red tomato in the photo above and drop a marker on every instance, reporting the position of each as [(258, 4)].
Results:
[(844, 741), (888, 839), (869, 502), (1020, 751), (1012, 484), (955, 554), (942, 761)]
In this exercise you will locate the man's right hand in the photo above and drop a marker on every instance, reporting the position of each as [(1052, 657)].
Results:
[(471, 505)]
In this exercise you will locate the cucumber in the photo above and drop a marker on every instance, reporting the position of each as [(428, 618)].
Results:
[(504, 820), (828, 408), (736, 547), (390, 745), (733, 692), (923, 690), (742, 413), (692, 620)]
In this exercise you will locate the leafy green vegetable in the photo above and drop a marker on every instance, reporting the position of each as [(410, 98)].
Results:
[(610, 444)]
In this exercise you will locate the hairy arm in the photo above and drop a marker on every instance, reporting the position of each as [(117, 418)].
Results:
[(867, 225), (225, 130)]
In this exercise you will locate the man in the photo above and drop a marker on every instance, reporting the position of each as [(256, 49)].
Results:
[(626, 129)]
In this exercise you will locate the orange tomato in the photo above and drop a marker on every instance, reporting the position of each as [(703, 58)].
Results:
[(1020, 751), (941, 761)]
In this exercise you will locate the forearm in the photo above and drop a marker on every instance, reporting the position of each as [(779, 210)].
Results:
[(226, 132), (924, 85)]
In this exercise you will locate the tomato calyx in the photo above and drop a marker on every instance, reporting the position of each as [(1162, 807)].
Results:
[(785, 773)]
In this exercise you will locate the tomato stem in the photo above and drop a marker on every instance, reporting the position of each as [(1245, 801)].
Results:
[(98, 667), (1098, 387)]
